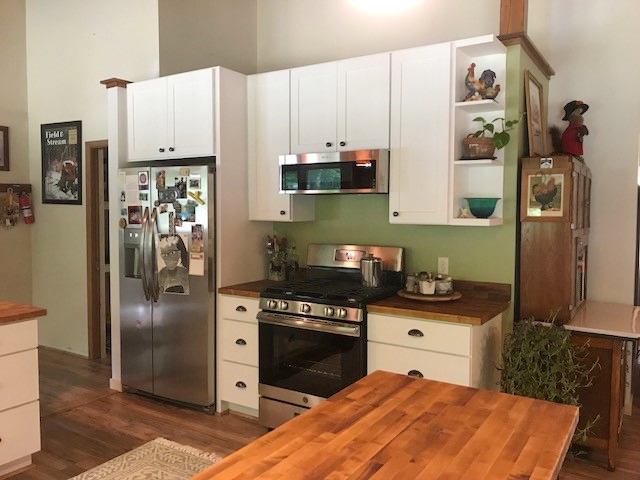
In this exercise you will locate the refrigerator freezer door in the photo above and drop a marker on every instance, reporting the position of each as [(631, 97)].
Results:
[(136, 331)]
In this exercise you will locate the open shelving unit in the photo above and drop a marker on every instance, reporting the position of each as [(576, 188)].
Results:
[(478, 177)]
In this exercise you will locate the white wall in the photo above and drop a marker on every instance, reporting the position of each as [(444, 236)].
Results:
[(71, 46), (591, 52), (301, 32), (15, 243), (197, 34)]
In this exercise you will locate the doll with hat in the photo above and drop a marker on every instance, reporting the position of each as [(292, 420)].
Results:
[(571, 140)]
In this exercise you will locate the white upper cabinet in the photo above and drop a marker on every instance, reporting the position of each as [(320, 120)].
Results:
[(172, 117), (340, 106), (420, 113), (268, 138)]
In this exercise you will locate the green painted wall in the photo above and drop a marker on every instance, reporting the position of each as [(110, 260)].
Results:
[(475, 253)]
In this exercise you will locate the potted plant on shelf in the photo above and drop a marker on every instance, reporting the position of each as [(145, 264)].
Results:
[(484, 142)]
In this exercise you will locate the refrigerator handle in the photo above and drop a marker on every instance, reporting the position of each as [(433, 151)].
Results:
[(143, 254), (153, 249)]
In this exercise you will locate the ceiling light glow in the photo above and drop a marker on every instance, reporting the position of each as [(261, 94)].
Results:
[(384, 7)]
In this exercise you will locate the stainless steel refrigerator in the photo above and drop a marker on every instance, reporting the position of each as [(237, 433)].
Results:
[(167, 282)]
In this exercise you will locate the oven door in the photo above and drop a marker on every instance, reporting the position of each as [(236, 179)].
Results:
[(311, 356)]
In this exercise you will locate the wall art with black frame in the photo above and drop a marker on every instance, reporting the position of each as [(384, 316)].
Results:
[(62, 162)]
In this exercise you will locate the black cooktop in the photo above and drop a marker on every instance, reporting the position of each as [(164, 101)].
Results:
[(328, 290)]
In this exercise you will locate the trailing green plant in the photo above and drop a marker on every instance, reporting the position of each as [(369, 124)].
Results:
[(540, 361), (500, 137)]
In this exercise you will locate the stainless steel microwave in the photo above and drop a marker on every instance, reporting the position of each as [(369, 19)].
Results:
[(359, 171)]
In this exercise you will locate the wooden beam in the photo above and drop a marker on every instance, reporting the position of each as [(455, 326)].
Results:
[(513, 16)]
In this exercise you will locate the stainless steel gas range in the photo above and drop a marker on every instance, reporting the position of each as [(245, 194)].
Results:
[(312, 332)]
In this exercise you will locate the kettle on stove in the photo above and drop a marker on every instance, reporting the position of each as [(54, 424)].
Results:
[(371, 271)]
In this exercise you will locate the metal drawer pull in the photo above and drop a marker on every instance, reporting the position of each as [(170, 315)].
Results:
[(241, 341), (415, 333), (241, 385), (415, 373), (241, 308)]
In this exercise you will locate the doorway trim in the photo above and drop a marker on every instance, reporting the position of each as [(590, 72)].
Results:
[(94, 254)]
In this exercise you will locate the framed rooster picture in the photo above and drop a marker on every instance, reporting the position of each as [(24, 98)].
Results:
[(61, 145), (544, 196)]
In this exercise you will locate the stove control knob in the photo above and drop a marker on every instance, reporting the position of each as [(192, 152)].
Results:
[(342, 312), (284, 305), (305, 308), (328, 311), (271, 304)]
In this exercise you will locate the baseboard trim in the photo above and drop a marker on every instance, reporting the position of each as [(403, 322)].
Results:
[(115, 384)]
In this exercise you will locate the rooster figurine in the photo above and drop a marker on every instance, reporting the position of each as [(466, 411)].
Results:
[(482, 88)]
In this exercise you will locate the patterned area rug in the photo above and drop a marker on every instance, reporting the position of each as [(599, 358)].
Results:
[(157, 459)]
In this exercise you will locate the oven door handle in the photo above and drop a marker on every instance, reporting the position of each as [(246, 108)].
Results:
[(308, 324)]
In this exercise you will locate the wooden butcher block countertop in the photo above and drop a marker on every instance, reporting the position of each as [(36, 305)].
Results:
[(480, 302), (388, 426), (15, 312)]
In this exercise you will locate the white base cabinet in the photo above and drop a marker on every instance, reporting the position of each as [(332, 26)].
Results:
[(19, 394), (238, 357), (447, 352)]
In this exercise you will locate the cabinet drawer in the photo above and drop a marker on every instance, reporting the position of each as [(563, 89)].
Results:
[(18, 379), (239, 342), (234, 307), (18, 336), (20, 432), (239, 384), (434, 366), (422, 334)]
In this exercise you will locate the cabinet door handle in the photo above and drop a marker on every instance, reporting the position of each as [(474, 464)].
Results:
[(241, 341), (241, 384), (415, 333), (395, 214), (241, 308), (342, 144), (415, 373), (328, 144), (282, 212), (161, 150), (171, 149)]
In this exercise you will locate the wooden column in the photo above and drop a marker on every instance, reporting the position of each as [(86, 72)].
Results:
[(513, 16), (513, 31)]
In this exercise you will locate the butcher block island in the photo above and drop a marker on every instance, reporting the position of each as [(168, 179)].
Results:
[(390, 426), (19, 389)]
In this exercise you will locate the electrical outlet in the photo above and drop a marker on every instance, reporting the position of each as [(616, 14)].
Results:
[(443, 266)]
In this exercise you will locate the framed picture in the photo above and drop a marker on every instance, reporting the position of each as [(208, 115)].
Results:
[(4, 148), (61, 145), (544, 196), (536, 117)]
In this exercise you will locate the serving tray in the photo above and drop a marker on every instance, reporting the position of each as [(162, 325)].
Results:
[(429, 298)]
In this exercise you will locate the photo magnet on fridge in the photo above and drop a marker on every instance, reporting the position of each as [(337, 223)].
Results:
[(134, 213), (173, 264), (143, 181)]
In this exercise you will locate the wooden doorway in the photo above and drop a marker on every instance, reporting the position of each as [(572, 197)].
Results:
[(97, 194)]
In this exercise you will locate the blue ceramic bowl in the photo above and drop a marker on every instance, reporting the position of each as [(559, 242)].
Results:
[(482, 207)]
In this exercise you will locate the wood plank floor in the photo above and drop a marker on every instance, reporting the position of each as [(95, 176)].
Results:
[(85, 424)]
